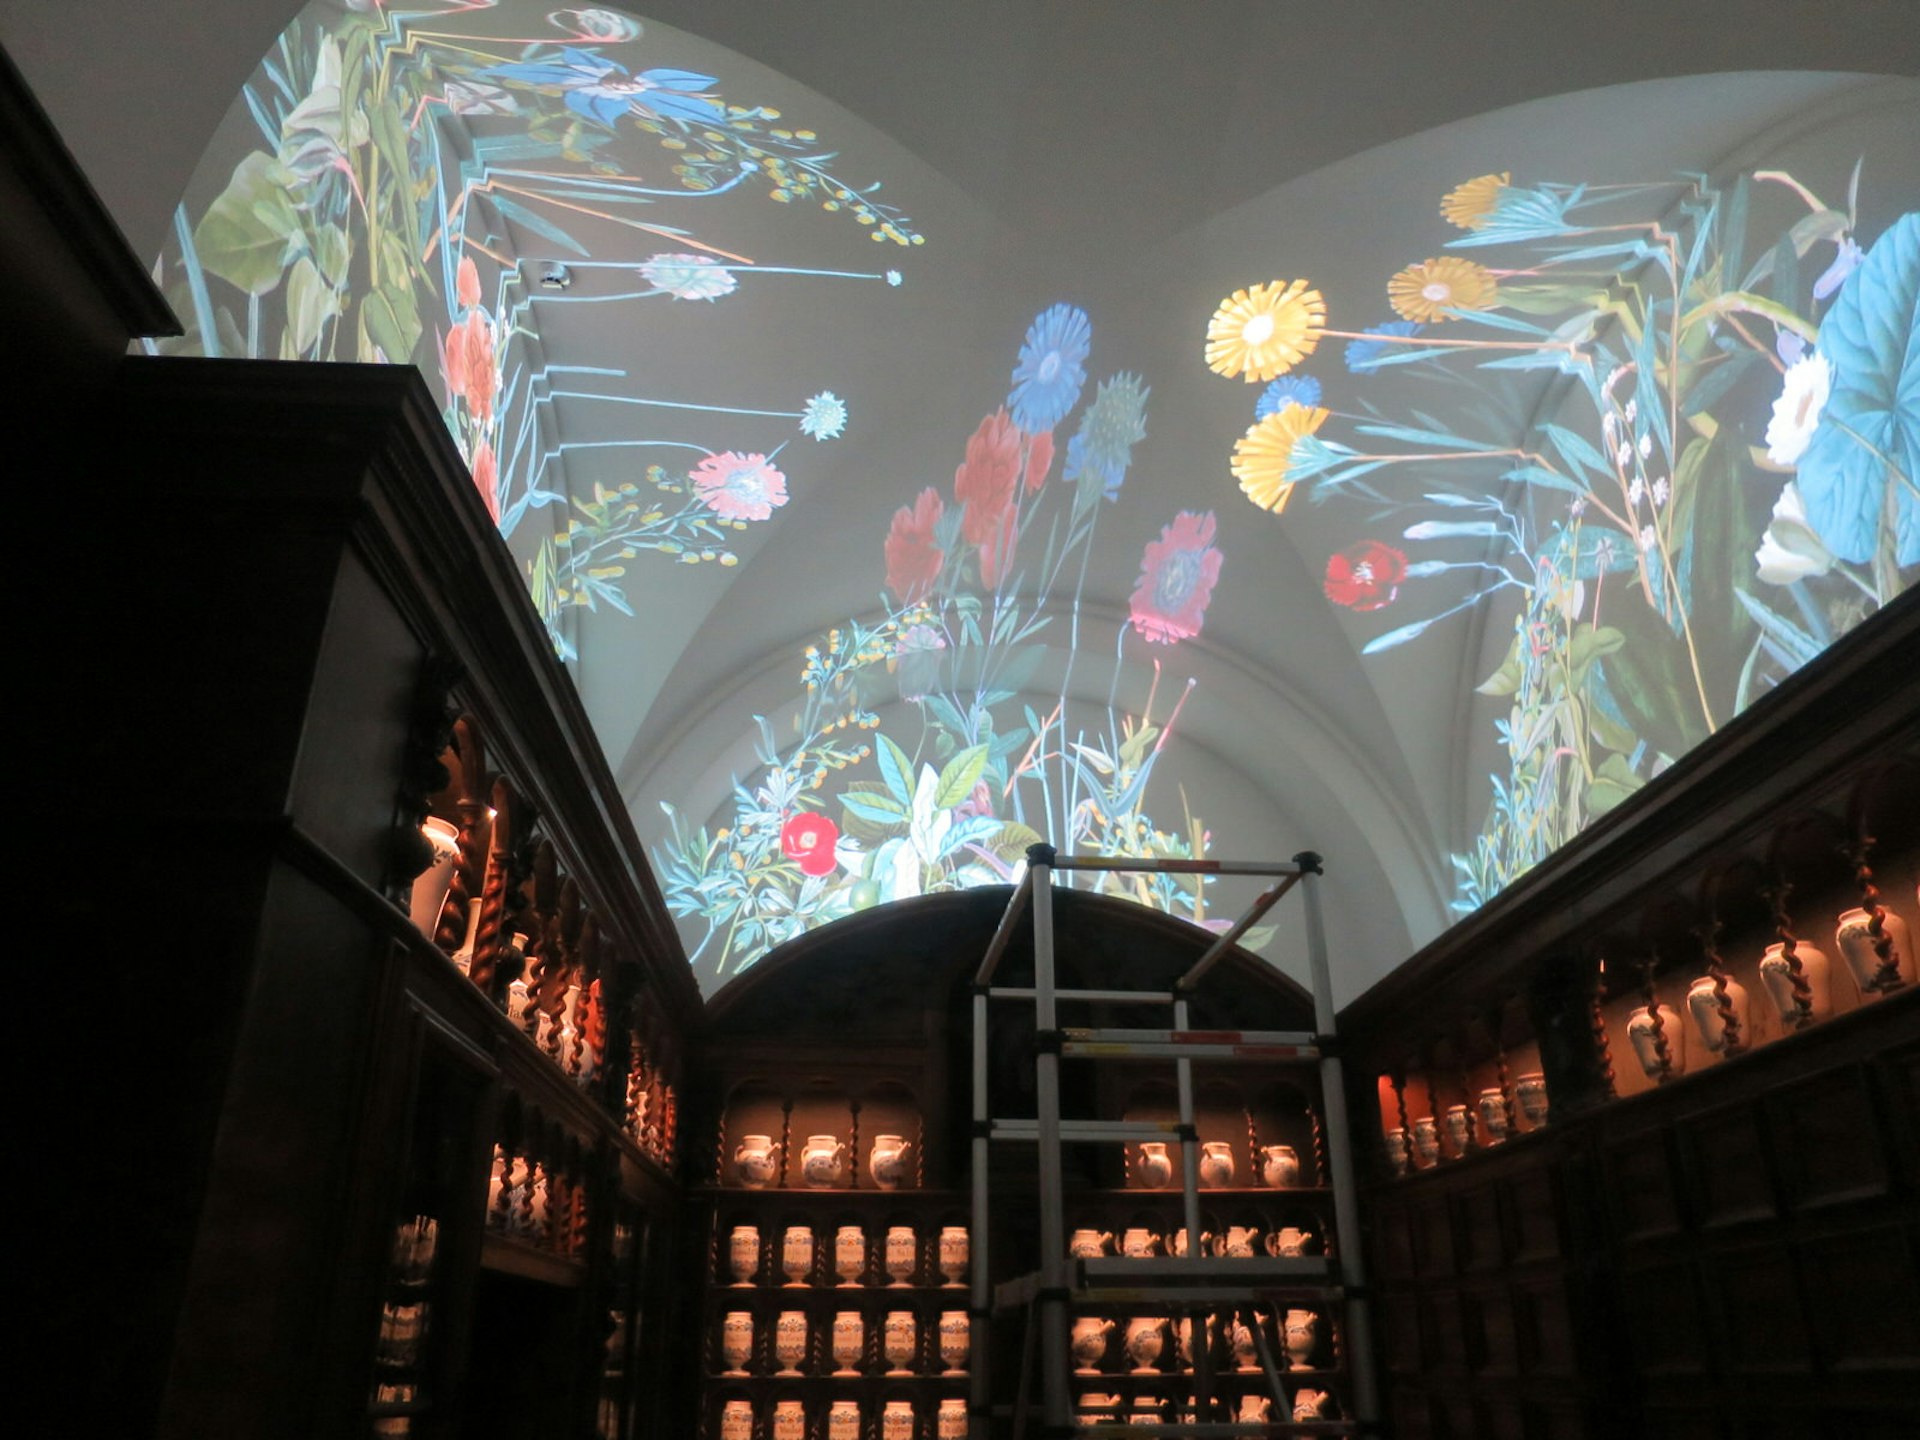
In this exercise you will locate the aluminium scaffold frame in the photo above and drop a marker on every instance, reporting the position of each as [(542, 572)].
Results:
[(1191, 1280)]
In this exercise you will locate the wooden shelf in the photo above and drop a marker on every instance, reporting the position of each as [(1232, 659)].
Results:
[(508, 1256)]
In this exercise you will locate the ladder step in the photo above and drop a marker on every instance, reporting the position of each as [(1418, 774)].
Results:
[(1129, 1035), (1205, 1270), (1176, 1280), (1088, 1131), (1186, 1050)]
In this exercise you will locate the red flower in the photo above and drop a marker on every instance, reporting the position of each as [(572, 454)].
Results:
[(486, 477), (466, 284), (996, 554), (1177, 575), (984, 481), (1039, 459), (467, 362), (913, 560), (807, 839), (1365, 576)]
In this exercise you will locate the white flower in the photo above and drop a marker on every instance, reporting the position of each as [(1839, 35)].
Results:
[(1646, 446), (1790, 550), (689, 277), (1803, 395), (824, 416), (1637, 491), (1646, 538), (1660, 492)]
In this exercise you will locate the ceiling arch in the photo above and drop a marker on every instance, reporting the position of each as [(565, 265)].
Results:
[(874, 403)]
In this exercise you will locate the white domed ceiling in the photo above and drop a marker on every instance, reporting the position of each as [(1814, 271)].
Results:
[(1415, 504)]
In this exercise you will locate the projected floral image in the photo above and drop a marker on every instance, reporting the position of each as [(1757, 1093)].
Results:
[(397, 165), (1726, 477), (970, 765)]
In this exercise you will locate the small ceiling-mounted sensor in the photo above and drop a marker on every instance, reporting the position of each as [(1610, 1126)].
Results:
[(555, 277)]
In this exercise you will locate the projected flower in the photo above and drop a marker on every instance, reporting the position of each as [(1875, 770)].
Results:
[(1263, 456), (606, 91), (739, 487), (807, 839), (467, 364), (1871, 424), (1287, 390), (1364, 355), (1789, 549), (1039, 459), (1470, 205), (1432, 289), (466, 283), (996, 551), (1102, 449), (689, 277), (1051, 369), (984, 481), (1265, 331), (604, 26), (1177, 575), (486, 478), (1365, 576), (913, 557), (1803, 395), (824, 417)]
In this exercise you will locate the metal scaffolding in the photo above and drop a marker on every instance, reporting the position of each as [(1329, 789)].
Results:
[(1192, 1281)]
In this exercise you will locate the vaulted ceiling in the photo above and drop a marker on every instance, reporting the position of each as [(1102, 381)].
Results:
[(801, 380)]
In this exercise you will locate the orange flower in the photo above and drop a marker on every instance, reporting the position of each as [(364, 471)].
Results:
[(1264, 332), (1470, 205), (1264, 455), (1428, 292)]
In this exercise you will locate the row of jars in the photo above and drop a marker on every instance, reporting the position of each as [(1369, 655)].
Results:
[(1305, 1404), (1154, 1167), (899, 1254), (1423, 1148), (1143, 1344), (845, 1420), (824, 1162), (847, 1347), (1237, 1241)]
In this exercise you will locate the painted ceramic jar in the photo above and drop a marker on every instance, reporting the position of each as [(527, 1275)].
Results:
[(1426, 1141), (1289, 1241), (1310, 1404), (1246, 1351), (1397, 1159), (1300, 1332), (899, 1341), (1279, 1166), (796, 1254), (950, 1423), (849, 1342), (790, 1341), (843, 1420), (753, 1161), (823, 1162), (1146, 1338), (1139, 1243), (430, 887), (1241, 1242), (902, 1254), (1493, 1114), (1459, 1128), (1645, 1039), (956, 1341), (887, 1162), (743, 1253), (1531, 1091), (789, 1420), (1089, 1244), (1777, 977), (1088, 1343), (1254, 1409), (1152, 1166), (736, 1420), (1709, 1025), (1095, 1407), (1854, 938), (955, 1252), (896, 1420), (736, 1341), (849, 1254), (1216, 1164)]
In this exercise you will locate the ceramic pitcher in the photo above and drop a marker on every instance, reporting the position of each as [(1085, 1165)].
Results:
[(1089, 1343), (1279, 1166), (1139, 1243), (1146, 1337), (753, 1161), (887, 1162), (1301, 1330), (1216, 1164), (823, 1162), (1289, 1240), (1152, 1166), (1089, 1244)]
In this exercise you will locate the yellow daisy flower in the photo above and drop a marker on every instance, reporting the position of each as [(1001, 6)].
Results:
[(1263, 456), (1424, 293), (1264, 332), (1469, 205)]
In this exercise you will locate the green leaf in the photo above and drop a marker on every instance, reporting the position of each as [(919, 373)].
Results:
[(391, 321), (1612, 783), (1610, 733), (959, 777), (1010, 842), (331, 252), (870, 814), (896, 769), (1589, 644), (1506, 679), (246, 236), (311, 302)]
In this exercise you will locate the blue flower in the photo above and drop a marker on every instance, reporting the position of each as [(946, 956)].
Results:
[(1871, 421), (1364, 356), (1052, 368), (824, 416), (604, 90), (1102, 449), (1288, 390)]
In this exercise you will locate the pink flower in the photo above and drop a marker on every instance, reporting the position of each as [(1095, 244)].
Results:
[(466, 361), (1365, 576), (985, 479), (486, 478), (913, 560), (996, 553), (739, 487), (1039, 459), (808, 839), (1177, 575), (466, 285)]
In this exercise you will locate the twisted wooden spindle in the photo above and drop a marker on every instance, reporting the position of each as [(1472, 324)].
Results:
[(1602, 1048), (1796, 972), (1662, 1049), (1496, 1025), (1886, 977)]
